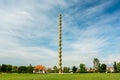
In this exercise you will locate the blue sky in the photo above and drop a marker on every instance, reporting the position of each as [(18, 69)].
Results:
[(28, 31)]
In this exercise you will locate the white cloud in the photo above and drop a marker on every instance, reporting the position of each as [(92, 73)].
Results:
[(20, 22), (83, 51), (111, 58), (91, 41), (20, 55)]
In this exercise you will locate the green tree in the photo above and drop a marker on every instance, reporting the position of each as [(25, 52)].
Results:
[(49, 70), (103, 68), (4, 68), (14, 69), (22, 69), (9, 68), (55, 69), (66, 70), (115, 67), (82, 68), (0, 68), (96, 63), (74, 69), (30, 69), (118, 67)]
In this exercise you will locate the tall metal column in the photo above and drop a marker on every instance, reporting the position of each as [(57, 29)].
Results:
[(60, 43)]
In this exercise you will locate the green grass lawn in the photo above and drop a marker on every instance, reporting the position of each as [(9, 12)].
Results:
[(87, 76)]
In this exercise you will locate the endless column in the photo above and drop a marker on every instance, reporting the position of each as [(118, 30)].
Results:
[(60, 44)]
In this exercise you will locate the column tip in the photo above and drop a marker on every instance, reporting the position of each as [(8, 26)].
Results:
[(60, 14)]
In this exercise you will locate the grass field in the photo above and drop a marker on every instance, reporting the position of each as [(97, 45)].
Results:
[(88, 76)]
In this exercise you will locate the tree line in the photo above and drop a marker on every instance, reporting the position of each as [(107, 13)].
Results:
[(98, 67), (7, 68)]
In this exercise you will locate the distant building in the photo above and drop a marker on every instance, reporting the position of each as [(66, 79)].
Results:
[(39, 69), (110, 70), (91, 70)]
